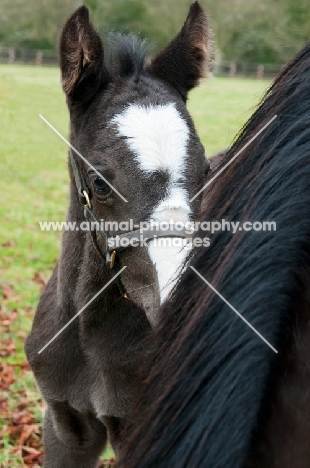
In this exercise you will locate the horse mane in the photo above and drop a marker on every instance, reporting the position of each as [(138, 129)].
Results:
[(125, 54), (208, 372)]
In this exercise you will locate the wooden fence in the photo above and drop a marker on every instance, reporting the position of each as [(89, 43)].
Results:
[(250, 69), (13, 55), (232, 69)]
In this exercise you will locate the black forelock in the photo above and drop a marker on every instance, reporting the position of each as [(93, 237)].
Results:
[(125, 54)]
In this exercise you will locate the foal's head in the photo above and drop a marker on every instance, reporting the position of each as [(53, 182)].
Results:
[(129, 120)]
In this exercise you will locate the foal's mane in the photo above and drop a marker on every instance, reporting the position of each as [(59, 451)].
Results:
[(209, 372)]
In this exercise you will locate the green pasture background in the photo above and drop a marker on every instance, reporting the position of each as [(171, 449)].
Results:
[(34, 183)]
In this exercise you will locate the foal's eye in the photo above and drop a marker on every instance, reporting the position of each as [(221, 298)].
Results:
[(101, 186)]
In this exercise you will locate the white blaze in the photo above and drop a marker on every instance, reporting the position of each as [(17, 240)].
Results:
[(158, 137)]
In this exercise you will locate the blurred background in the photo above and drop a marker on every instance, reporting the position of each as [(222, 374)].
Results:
[(252, 41), (264, 32)]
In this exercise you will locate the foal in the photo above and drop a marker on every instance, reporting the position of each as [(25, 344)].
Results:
[(216, 395), (130, 122)]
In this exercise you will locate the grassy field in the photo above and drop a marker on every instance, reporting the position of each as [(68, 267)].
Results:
[(34, 187)]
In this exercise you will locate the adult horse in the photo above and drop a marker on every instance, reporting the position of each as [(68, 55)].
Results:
[(216, 394), (135, 156)]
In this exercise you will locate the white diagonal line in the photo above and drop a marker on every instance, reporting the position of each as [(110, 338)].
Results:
[(81, 156), (232, 159), (80, 311), (235, 310)]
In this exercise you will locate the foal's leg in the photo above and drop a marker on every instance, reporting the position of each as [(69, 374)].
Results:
[(72, 439)]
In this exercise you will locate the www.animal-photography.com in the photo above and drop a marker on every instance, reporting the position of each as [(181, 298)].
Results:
[(155, 234)]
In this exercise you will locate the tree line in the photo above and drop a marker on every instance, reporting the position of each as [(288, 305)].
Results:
[(268, 31)]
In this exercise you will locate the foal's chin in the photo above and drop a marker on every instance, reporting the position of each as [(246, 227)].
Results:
[(151, 274), (141, 282)]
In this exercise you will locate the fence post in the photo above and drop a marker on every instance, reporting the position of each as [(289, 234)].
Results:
[(11, 55), (217, 63), (260, 72), (232, 69), (39, 58)]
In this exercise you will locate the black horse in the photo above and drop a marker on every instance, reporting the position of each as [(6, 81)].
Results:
[(216, 395), (143, 161)]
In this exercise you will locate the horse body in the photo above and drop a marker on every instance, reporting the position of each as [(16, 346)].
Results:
[(130, 122), (284, 427), (215, 395)]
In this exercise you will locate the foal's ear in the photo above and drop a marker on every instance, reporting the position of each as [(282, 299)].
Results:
[(81, 58), (184, 61)]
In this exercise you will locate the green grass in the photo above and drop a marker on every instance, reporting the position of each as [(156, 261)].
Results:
[(220, 106), (34, 187)]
